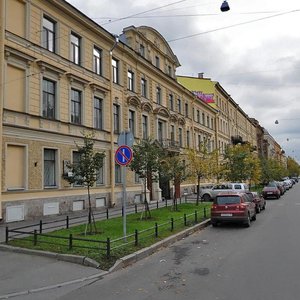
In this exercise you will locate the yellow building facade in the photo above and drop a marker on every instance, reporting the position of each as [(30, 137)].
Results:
[(62, 75), (233, 125)]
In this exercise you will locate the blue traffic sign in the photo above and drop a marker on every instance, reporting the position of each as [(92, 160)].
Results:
[(123, 155)]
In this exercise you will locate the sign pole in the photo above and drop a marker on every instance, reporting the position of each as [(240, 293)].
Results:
[(124, 202), (123, 157)]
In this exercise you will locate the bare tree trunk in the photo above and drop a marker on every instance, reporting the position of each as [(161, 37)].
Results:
[(91, 220), (198, 190)]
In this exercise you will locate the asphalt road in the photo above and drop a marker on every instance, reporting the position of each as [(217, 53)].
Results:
[(224, 263)]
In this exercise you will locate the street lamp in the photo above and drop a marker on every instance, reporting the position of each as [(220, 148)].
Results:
[(225, 6)]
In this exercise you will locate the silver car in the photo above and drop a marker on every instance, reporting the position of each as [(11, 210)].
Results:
[(211, 193)]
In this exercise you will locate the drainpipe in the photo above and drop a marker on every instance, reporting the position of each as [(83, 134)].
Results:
[(112, 146), (2, 37)]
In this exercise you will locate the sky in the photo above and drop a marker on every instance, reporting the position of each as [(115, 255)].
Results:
[(252, 50)]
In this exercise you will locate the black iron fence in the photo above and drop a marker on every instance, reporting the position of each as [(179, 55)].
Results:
[(38, 233)]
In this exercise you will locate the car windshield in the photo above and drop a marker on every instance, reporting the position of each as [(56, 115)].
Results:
[(227, 200)]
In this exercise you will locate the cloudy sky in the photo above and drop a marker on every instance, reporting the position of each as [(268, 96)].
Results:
[(253, 50)]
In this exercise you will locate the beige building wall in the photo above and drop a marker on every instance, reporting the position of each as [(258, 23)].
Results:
[(34, 130)]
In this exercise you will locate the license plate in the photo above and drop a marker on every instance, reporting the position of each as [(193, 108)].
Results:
[(226, 215), (269, 193)]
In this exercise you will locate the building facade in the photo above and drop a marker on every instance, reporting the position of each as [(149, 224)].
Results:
[(63, 75)]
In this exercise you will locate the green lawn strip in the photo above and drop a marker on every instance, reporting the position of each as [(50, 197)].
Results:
[(113, 228)]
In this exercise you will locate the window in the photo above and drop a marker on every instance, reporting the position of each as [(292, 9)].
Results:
[(203, 119), (158, 95), (171, 102), (75, 48), (115, 70), (186, 109), (130, 77), (49, 98), (145, 126), (75, 106), (188, 138), (76, 157), (15, 177), (131, 124), (48, 34), (142, 50), (144, 87), (179, 105), (98, 113), (180, 136), (116, 118), (100, 176), (169, 71), (97, 55), (198, 116), (157, 61), (49, 168), (160, 131), (172, 134), (207, 121), (118, 175)]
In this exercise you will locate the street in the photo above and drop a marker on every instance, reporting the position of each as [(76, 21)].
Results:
[(224, 263)]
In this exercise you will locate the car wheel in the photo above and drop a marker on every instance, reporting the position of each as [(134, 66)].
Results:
[(214, 224), (206, 198), (258, 209), (248, 221), (264, 207), (254, 217)]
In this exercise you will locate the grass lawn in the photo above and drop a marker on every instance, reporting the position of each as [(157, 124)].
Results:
[(89, 245)]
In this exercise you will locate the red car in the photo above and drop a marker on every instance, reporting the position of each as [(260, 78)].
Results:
[(233, 207), (260, 202), (271, 191)]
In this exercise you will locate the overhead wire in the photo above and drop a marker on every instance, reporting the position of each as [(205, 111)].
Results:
[(233, 25)]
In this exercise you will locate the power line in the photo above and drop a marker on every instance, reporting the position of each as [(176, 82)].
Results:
[(143, 12), (233, 25)]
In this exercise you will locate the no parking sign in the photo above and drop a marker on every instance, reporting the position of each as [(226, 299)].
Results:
[(123, 155)]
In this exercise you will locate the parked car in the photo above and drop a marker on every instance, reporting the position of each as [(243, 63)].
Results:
[(260, 202), (211, 193), (233, 207), (271, 191)]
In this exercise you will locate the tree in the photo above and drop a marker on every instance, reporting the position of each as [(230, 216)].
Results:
[(202, 164), (146, 163), (174, 168), (293, 167), (241, 164), (84, 171), (271, 170)]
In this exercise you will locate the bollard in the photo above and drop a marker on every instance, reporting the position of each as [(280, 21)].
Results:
[(184, 217), (135, 208), (196, 217), (107, 216), (172, 224)]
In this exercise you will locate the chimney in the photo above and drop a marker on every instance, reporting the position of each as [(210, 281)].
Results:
[(200, 75)]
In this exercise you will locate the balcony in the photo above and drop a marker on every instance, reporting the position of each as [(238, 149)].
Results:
[(169, 145)]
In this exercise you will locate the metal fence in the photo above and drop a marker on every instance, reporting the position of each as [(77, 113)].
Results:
[(38, 233)]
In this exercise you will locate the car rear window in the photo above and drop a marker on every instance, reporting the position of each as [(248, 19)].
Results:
[(227, 200)]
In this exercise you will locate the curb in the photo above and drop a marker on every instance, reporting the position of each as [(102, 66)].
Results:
[(120, 263), (77, 259)]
